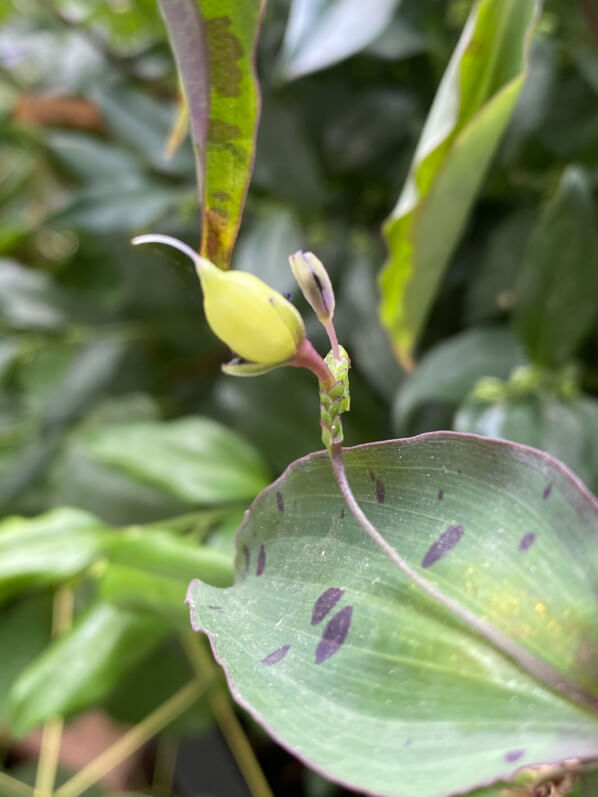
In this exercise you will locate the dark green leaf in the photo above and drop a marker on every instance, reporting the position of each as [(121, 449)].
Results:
[(557, 291), (84, 666)]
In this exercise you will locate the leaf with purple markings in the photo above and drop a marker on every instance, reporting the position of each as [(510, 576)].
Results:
[(365, 678), (214, 45)]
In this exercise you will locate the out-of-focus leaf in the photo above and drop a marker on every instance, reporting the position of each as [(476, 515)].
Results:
[(24, 633), (286, 165), (87, 376), (322, 32), (319, 616), (112, 207), (82, 667), (144, 124), (472, 107), (360, 325), (195, 459), (46, 550), (491, 290), (566, 429), (92, 159), (265, 247), (449, 371), (214, 44), (371, 126), (135, 589), (163, 553), (159, 676), (399, 40), (9, 353), (557, 289), (28, 299)]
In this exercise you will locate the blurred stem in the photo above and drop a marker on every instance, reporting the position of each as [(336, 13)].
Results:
[(539, 669), (62, 620), (166, 755), (227, 721), (131, 741), (12, 787)]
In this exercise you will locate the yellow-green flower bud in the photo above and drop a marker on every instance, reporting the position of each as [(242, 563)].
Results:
[(262, 327), (315, 284)]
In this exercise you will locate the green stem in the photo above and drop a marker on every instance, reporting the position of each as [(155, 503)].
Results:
[(539, 669), (62, 620), (13, 787), (131, 741), (228, 723)]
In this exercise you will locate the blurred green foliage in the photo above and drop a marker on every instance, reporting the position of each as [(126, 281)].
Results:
[(104, 348)]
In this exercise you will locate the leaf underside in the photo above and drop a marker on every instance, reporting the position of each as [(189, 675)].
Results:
[(361, 675)]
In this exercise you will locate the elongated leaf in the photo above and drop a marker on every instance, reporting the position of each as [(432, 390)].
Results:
[(80, 669), (214, 45), (48, 549), (195, 459), (321, 33), (360, 674), (557, 291), (472, 107)]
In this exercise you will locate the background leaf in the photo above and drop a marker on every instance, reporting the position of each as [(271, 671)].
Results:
[(321, 33), (195, 459), (471, 109), (318, 614), (559, 273)]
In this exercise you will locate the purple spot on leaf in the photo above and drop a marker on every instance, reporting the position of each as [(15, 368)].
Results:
[(443, 545), (246, 555), (279, 501), (261, 561), (547, 490), (276, 656), (342, 514), (372, 476), (514, 755), (380, 492), (325, 603), (407, 742), (334, 634), (527, 541), (215, 608), (440, 495)]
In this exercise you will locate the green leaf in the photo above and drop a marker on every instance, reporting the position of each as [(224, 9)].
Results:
[(449, 371), (150, 570), (28, 299), (321, 33), (194, 459), (215, 40), (365, 678), (24, 633), (82, 667), (46, 550), (566, 429), (557, 290), (470, 112)]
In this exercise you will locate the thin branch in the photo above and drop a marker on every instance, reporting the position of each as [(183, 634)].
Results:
[(135, 738), (539, 669), (47, 765), (13, 787), (228, 722)]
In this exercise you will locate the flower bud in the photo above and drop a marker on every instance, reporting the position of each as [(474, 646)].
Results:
[(262, 327), (315, 284)]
